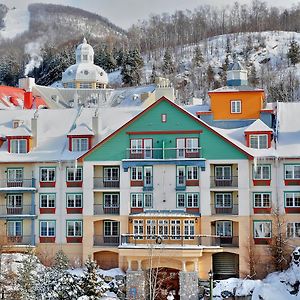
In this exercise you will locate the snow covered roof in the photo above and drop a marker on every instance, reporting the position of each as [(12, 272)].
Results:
[(232, 89), (236, 66), (165, 213), (258, 125), (82, 129), (19, 131)]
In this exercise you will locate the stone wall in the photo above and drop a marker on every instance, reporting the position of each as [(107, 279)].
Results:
[(135, 285), (188, 282)]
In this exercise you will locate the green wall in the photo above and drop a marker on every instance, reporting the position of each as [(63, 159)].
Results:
[(213, 146)]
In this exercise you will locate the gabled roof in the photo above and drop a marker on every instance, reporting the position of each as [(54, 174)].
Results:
[(179, 108), (259, 126), (82, 129)]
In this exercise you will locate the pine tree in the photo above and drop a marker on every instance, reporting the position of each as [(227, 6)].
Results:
[(153, 74), (294, 53), (253, 79), (198, 58), (168, 67), (210, 75), (61, 261), (91, 283)]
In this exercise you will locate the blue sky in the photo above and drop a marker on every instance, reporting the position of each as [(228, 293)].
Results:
[(126, 12)]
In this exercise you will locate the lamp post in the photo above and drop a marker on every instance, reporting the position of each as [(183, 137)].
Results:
[(210, 276)]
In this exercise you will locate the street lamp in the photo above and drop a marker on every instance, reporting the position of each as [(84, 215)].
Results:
[(211, 277)]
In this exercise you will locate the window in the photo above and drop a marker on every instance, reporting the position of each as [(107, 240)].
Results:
[(192, 173), (14, 200), (74, 228), (47, 200), (74, 174), (47, 228), (111, 200), (224, 228), (136, 146), (292, 199), (80, 144), (14, 228), (74, 200), (84, 57), (262, 200), (180, 178), (262, 172), (164, 118), (137, 173), (138, 227), (292, 172), (151, 229), (163, 228), (189, 229), (148, 200), (236, 106), (262, 229), (137, 200), (223, 172), (14, 175), (140, 200), (142, 147), (181, 200), (111, 228), (47, 174), (148, 177), (111, 174), (18, 146), (175, 229), (84, 85), (192, 145), (293, 230), (259, 141), (223, 200), (192, 200)]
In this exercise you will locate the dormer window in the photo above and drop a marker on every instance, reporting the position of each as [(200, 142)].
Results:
[(258, 141), (80, 144), (18, 146)]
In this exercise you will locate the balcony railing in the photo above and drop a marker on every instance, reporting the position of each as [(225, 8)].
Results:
[(233, 210), (23, 210), (18, 184), (169, 240), (162, 153), (106, 182), (25, 240), (229, 241), (100, 240), (222, 182), (100, 210)]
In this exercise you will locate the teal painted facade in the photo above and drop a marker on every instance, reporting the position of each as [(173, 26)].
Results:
[(212, 145)]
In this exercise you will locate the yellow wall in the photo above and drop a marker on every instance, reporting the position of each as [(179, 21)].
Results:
[(252, 103)]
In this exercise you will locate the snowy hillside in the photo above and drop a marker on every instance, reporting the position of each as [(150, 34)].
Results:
[(16, 22)]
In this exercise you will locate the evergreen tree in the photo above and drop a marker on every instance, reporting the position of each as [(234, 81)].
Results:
[(294, 52), (168, 67), (253, 79), (91, 283), (131, 68), (198, 58), (153, 74), (61, 261), (210, 75), (27, 278), (110, 63)]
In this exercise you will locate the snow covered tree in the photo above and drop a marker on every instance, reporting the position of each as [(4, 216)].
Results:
[(198, 58), (61, 261), (27, 277), (153, 74), (131, 68), (294, 53), (253, 80), (91, 283), (210, 75), (168, 66)]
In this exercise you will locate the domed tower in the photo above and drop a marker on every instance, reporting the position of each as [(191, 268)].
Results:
[(236, 74), (84, 74)]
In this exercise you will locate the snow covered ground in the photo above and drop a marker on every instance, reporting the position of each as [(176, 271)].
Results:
[(16, 22)]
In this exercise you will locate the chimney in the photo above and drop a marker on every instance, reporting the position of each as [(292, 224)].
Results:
[(34, 129), (97, 127), (28, 100)]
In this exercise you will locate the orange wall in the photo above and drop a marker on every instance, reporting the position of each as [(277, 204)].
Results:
[(252, 103)]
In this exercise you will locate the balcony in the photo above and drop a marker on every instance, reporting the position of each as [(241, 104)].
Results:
[(229, 241), (106, 183), (233, 210), (171, 241), (148, 183), (25, 210), (223, 182), (18, 185), (20, 240), (100, 210), (180, 183), (162, 153), (100, 240)]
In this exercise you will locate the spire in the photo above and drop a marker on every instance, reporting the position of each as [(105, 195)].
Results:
[(84, 41)]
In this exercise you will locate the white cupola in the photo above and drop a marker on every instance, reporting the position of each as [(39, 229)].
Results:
[(84, 53)]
